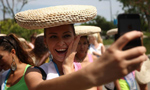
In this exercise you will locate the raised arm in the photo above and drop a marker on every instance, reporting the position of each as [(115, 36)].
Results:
[(68, 66), (101, 71)]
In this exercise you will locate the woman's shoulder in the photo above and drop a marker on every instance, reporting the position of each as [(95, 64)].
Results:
[(100, 44)]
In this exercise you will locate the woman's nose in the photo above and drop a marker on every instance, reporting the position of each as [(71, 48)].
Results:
[(82, 46), (60, 42)]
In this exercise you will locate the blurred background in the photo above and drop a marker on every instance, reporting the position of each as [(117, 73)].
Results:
[(106, 19)]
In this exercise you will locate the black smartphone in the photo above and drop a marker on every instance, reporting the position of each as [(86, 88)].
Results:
[(126, 23)]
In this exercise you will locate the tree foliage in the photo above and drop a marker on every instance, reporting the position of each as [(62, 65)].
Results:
[(138, 6), (9, 26), (101, 22), (10, 7)]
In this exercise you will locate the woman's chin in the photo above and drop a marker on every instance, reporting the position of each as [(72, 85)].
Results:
[(60, 59)]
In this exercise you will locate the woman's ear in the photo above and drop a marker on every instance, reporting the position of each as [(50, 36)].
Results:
[(13, 51)]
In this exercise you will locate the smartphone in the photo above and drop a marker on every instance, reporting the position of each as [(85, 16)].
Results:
[(126, 23)]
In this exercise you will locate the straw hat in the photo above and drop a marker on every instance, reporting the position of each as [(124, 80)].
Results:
[(21, 39), (55, 16), (86, 30), (143, 76), (2, 34), (112, 31)]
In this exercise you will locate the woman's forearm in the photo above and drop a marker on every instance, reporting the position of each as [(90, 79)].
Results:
[(72, 81)]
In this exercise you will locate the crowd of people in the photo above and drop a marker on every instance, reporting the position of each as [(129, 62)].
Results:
[(64, 56)]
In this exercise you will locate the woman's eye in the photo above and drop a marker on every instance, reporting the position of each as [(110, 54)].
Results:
[(53, 36), (85, 43), (66, 36), (79, 43)]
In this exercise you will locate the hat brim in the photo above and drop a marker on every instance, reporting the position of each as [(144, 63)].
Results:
[(86, 30), (143, 76), (112, 31), (41, 34), (55, 16)]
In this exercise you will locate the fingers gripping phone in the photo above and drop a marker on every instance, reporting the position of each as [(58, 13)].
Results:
[(126, 23)]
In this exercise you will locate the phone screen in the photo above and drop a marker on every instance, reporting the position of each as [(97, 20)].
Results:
[(126, 23)]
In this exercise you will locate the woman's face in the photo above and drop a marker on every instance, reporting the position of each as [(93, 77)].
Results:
[(91, 39), (83, 46), (5, 59), (58, 40)]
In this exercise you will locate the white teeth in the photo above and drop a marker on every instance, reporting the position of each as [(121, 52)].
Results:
[(61, 49)]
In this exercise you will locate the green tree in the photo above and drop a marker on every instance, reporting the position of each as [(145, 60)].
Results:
[(9, 26), (102, 23), (10, 7), (138, 6)]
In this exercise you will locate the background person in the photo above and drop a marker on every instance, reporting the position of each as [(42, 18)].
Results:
[(40, 51), (82, 56), (32, 40), (15, 60), (128, 82), (1, 70), (96, 44), (25, 44)]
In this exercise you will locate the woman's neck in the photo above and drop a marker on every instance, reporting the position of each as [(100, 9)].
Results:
[(16, 75), (80, 57), (59, 66)]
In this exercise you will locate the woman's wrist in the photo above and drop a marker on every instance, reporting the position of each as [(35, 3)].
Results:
[(67, 69)]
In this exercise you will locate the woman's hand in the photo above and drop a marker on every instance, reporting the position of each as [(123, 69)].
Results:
[(68, 66), (115, 63)]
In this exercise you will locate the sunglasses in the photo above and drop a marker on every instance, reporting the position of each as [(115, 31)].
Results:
[(3, 39)]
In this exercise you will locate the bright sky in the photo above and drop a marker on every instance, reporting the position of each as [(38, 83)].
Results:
[(103, 7)]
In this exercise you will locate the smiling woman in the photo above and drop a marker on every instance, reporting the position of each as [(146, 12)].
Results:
[(58, 40)]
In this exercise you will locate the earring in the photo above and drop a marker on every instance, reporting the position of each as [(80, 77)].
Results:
[(13, 65)]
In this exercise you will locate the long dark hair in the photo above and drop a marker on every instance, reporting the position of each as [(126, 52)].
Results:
[(10, 42), (39, 48)]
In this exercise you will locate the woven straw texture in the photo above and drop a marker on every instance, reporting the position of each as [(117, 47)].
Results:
[(55, 16), (112, 31), (86, 30)]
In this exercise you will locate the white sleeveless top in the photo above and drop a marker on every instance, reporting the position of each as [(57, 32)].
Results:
[(93, 49), (50, 70)]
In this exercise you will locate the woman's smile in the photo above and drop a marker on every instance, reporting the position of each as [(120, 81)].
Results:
[(61, 51)]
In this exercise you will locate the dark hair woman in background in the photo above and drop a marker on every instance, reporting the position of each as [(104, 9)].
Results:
[(14, 58)]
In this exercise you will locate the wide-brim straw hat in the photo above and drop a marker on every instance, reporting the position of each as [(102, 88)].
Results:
[(2, 34), (55, 16), (86, 30), (21, 39), (112, 31), (143, 76)]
